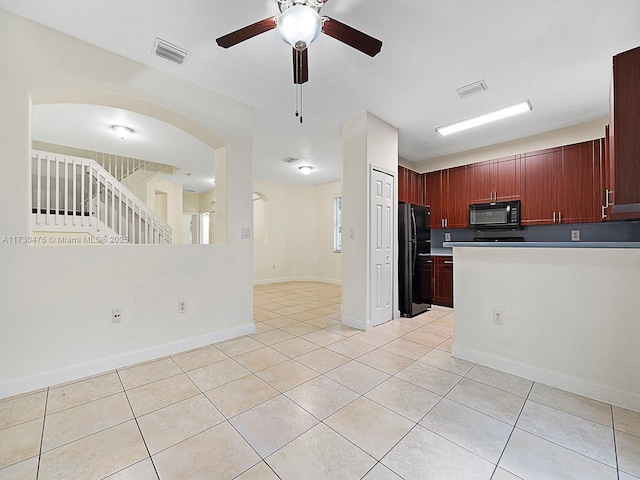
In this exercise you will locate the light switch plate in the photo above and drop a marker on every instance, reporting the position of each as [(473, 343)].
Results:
[(575, 235), (246, 233)]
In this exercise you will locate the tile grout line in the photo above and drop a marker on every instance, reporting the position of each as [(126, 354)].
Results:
[(137, 425), (615, 445), (513, 430), (226, 419), (44, 420)]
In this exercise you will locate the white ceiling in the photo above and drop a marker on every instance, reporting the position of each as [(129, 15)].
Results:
[(555, 53), (89, 127)]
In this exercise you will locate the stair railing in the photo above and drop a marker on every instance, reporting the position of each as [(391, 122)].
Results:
[(72, 194)]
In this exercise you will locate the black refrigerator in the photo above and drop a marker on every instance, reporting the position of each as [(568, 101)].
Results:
[(414, 258)]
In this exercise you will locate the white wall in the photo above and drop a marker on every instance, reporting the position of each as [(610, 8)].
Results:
[(299, 233), (174, 204), (570, 316), (366, 141), (566, 136), (57, 301)]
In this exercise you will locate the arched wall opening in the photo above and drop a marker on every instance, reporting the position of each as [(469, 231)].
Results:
[(183, 204)]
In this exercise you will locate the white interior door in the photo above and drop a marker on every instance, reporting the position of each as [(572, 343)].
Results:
[(382, 190)]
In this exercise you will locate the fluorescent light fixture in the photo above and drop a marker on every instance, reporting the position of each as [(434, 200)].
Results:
[(305, 169), (122, 131), (486, 118)]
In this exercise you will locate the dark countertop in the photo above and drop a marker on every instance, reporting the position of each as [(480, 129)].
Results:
[(543, 244)]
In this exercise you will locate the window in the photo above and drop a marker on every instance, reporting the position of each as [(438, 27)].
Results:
[(337, 223), (259, 218), (204, 228)]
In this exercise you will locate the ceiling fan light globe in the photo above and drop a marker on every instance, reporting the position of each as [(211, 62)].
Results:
[(299, 24)]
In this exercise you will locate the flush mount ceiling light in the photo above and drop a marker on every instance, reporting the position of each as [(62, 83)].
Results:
[(484, 119), (122, 131), (299, 26), (305, 169)]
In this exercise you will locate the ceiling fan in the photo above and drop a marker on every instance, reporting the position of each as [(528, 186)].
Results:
[(299, 24)]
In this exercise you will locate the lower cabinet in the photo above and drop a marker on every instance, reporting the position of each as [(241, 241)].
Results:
[(442, 281)]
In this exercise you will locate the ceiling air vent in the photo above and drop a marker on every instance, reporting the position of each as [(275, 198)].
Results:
[(472, 89), (170, 52), (290, 160)]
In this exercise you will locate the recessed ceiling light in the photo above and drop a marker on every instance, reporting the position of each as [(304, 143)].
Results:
[(305, 169), (484, 119), (122, 131)]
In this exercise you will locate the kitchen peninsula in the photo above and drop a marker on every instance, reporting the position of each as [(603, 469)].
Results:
[(562, 313)]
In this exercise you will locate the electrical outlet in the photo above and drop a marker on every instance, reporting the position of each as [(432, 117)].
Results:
[(116, 315), (575, 235), (498, 317), (351, 234), (182, 306), (447, 237)]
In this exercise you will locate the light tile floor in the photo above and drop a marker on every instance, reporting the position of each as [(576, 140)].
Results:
[(306, 397)]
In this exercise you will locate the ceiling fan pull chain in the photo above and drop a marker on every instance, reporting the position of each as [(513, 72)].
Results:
[(299, 102)]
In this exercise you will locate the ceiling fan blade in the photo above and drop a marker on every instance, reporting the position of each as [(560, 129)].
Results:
[(233, 38), (300, 66), (352, 37)]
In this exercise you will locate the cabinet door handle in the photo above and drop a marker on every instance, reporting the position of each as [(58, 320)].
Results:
[(448, 262), (604, 215), (554, 217), (559, 217), (607, 201)]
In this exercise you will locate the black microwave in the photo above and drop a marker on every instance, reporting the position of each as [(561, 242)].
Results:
[(495, 215)]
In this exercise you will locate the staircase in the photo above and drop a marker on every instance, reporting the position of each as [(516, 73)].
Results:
[(130, 171), (73, 195)]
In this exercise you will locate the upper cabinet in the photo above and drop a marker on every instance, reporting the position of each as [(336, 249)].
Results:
[(556, 185), (624, 141), (409, 186), (562, 185), (446, 192), (494, 180), (539, 187), (434, 196), (456, 205), (579, 182)]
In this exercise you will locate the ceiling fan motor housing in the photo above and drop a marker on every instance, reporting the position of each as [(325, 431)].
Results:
[(286, 4)]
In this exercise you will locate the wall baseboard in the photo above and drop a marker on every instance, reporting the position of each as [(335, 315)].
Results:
[(355, 323), (585, 388), (296, 279), (77, 372)]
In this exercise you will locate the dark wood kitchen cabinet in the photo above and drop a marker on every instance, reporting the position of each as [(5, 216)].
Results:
[(433, 196), (539, 192), (562, 185), (624, 140), (403, 187), (494, 180), (410, 188), (445, 191), (442, 281), (579, 194), (457, 199)]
